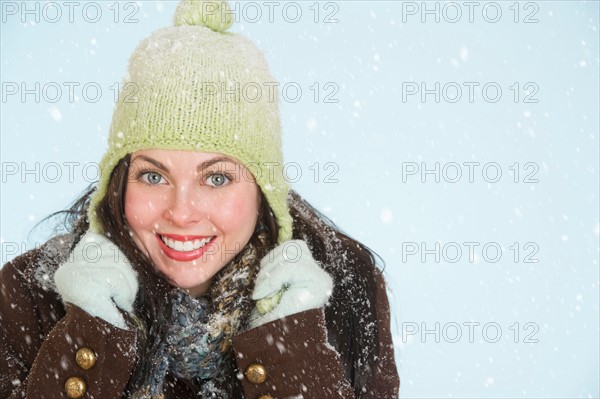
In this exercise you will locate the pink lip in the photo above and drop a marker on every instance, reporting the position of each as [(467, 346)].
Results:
[(183, 256)]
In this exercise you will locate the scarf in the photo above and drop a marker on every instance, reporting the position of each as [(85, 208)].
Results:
[(196, 345)]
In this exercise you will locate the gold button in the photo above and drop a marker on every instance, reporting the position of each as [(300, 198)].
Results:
[(85, 358), (75, 387), (265, 397), (256, 373)]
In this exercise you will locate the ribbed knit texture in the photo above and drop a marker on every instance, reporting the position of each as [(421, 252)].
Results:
[(200, 89)]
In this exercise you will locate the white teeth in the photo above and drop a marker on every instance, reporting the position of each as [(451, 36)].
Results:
[(185, 246)]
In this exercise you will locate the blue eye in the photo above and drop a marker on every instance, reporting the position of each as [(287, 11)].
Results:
[(218, 179), (152, 178)]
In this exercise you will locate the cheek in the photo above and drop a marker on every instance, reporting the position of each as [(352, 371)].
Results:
[(240, 214), (140, 211)]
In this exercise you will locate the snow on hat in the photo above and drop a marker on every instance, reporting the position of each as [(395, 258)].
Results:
[(200, 88)]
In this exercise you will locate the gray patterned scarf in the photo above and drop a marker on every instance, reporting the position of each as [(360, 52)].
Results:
[(197, 343)]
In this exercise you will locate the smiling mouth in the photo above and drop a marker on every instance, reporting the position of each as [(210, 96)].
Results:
[(184, 243), (185, 248)]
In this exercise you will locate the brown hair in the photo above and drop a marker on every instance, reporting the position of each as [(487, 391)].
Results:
[(352, 309)]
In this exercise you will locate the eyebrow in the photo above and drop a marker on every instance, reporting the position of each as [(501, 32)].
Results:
[(213, 161), (201, 167), (154, 162)]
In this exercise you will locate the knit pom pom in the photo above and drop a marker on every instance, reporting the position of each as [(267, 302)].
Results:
[(215, 15)]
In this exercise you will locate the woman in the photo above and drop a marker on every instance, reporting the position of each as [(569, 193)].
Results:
[(192, 270)]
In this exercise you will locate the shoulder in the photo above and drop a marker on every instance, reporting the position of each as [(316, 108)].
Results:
[(29, 304), (358, 316), (35, 268)]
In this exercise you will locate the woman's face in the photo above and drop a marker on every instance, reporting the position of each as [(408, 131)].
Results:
[(190, 212)]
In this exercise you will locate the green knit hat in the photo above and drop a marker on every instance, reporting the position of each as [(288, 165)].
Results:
[(195, 87)]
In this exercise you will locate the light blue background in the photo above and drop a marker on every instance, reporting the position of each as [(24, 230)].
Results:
[(372, 49)]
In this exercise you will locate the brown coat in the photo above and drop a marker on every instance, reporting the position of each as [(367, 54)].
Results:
[(40, 336)]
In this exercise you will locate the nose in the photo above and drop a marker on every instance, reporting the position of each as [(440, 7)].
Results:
[(184, 208)]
